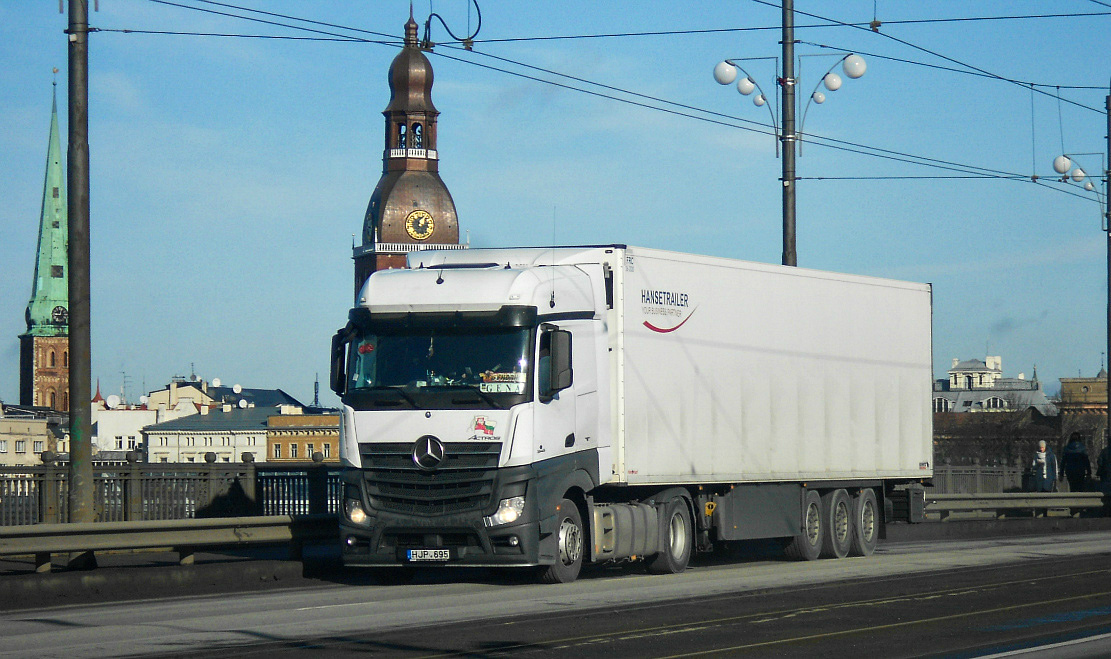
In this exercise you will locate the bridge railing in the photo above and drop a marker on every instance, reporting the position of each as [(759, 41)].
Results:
[(139, 491)]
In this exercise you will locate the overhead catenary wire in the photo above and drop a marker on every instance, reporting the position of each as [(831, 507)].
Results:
[(970, 171)]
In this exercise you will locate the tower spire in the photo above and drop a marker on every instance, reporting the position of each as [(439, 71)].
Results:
[(44, 348)]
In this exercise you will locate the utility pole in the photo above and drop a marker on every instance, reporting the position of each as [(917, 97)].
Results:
[(1107, 229), (80, 341), (787, 85)]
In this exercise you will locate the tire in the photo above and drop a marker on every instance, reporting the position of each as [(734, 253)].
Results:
[(866, 523), (837, 513), (807, 546), (570, 545), (677, 539)]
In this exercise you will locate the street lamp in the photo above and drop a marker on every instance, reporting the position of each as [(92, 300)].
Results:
[(726, 73), (1063, 165)]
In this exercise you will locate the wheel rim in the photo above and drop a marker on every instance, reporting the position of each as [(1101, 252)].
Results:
[(677, 535), (868, 521), (841, 522), (813, 524), (570, 542)]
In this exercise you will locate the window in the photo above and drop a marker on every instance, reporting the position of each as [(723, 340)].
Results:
[(163, 459), (942, 405), (38, 446), (56, 192), (131, 443), (20, 446), (401, 136), (57, 271), (119, 442), (418, 136), (293, 450), (3, 446), (327, 450), (277, 451), (65, 359), (995, 403), (309, 450), (53, 396)]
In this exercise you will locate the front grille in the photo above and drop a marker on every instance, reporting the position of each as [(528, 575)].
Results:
[(463, 482)]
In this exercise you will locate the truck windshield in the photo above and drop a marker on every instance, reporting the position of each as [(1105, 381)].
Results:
[(440, 368)]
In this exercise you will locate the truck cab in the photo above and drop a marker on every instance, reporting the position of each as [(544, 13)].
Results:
[(471, 393)]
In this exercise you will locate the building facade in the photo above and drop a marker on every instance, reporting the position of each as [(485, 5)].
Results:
[(294, 437), (44, 347), (228, 431), (979, 386), (411, 208)]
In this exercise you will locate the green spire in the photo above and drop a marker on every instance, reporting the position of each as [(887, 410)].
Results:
[(48, 310)]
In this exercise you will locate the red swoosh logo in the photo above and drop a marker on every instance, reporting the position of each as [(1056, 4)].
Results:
[(662, 330)]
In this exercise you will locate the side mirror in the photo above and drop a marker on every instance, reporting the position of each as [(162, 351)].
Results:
[(338, 379), (554, 369)]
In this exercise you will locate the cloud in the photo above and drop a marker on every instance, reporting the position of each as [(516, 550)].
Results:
[(1009, 324)]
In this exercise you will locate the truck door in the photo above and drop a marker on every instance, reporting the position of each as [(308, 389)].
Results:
[(554, 418)]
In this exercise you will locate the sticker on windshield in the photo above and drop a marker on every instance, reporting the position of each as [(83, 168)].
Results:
[(502, 387), (502, 383)]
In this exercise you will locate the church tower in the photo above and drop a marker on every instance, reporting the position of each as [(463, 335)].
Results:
[(411, 208), (44, 348)]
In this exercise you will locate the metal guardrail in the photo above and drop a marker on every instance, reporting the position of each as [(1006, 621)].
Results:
[(999, 505), (182, 535), (161, 491)]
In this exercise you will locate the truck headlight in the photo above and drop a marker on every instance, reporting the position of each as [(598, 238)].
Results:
[(509, 511), (355, 511)]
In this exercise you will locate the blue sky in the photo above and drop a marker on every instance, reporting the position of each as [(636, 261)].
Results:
[(229, 174)]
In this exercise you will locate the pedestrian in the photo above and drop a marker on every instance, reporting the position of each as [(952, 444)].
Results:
[(1044, 468), (1075, 465), (1103, 469)]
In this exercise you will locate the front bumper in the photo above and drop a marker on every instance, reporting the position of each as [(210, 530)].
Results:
[(390, 537)]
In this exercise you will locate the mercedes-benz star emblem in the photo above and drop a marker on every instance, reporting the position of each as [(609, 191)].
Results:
[(428, 453)]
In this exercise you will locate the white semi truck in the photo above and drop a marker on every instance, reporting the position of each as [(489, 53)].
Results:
[(551, 407)]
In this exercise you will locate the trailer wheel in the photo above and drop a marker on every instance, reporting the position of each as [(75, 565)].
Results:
[(676, 541), (865, 523), (807, 546), (569, 556), (837, 513)]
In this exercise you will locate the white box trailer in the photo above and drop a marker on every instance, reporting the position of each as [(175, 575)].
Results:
[(730, 371), (550, 406)]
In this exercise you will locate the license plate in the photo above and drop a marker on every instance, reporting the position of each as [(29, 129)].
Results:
[(429, 554)]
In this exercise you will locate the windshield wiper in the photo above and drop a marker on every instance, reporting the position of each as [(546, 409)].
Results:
[(394, 389), (472, 390)]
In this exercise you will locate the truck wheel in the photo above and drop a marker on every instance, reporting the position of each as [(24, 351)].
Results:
[(865, 523), (676, 541), (807, 546), (569, 556), (838, 517)]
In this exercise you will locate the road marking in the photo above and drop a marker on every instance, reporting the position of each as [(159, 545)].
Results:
[(1041, 648), (894, 625), (770, 616)]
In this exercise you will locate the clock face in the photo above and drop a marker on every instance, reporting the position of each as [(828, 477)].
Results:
[(419, 225), (59, 314)]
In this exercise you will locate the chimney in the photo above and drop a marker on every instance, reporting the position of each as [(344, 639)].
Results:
[(203, 410), (227, 407), (173, 395), (956, 360)]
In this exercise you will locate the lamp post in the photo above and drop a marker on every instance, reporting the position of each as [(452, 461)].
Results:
[(1063, 165), (726, 72)]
